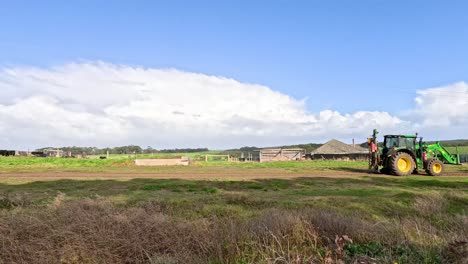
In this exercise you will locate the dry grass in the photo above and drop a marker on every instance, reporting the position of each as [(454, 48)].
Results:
[(301, 220), (98, 231), (95, 231), (432, 203)]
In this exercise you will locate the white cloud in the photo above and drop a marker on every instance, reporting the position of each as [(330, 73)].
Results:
[(442, 112), (103, 104), (443, 106)]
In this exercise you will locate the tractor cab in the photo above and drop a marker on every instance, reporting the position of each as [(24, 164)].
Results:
[(394, 143)]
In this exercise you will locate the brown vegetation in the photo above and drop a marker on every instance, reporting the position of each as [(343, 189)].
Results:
[(98, 231)]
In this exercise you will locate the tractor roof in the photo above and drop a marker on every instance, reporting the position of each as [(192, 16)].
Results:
[(405, 136)]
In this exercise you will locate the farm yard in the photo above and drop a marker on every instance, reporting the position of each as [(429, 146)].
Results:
[(234, 132), (321, 211)]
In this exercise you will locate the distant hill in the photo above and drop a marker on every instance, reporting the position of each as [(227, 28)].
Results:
[(308, 147), (452, 143), (123, 150)]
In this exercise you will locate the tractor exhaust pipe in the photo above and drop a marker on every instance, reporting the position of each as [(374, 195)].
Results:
[(422, 153)]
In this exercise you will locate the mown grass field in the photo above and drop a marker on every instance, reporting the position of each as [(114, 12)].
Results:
[(461, 150), (217, 212), (126, 164)]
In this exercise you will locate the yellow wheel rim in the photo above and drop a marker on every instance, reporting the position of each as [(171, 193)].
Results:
[(404, 164), (437, 168)]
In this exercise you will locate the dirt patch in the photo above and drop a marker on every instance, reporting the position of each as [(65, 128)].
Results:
[(199, 173), (209, 175)]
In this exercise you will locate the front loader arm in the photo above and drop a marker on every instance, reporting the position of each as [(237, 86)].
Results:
[(443, 153)]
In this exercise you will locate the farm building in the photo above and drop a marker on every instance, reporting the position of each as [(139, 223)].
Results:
[(7, 152), (281, 154), (16, 153), (58, 153), (335, 149)]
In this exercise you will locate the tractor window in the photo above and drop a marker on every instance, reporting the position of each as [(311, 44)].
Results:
[(391, 142), (410, 143), (399, 142), (406, 143), (402, 142)]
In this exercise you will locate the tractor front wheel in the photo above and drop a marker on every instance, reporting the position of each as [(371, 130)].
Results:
[(434, 167), (402, 164)]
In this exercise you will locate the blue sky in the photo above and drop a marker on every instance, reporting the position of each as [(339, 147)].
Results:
[(302, 48), (347, 56)]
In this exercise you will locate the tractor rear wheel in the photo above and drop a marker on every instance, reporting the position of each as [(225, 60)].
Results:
[(385, 170), (402, 164), (434, 167)]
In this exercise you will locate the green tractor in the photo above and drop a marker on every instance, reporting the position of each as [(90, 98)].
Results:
[(407, 154)]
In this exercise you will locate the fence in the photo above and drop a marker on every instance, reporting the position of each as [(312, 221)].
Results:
[(220, 157), (344, 156), (281, 154), (184, 161)]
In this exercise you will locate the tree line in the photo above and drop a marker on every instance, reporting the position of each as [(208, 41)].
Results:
[(130, 149)]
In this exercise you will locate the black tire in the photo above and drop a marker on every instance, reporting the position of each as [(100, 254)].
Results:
[(385, 170), (435, 167), (402, 164)]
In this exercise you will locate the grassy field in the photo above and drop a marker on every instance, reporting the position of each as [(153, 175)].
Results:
[(92, 163), (284, 212), (461, 150), (192, 155), (126, 164)]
